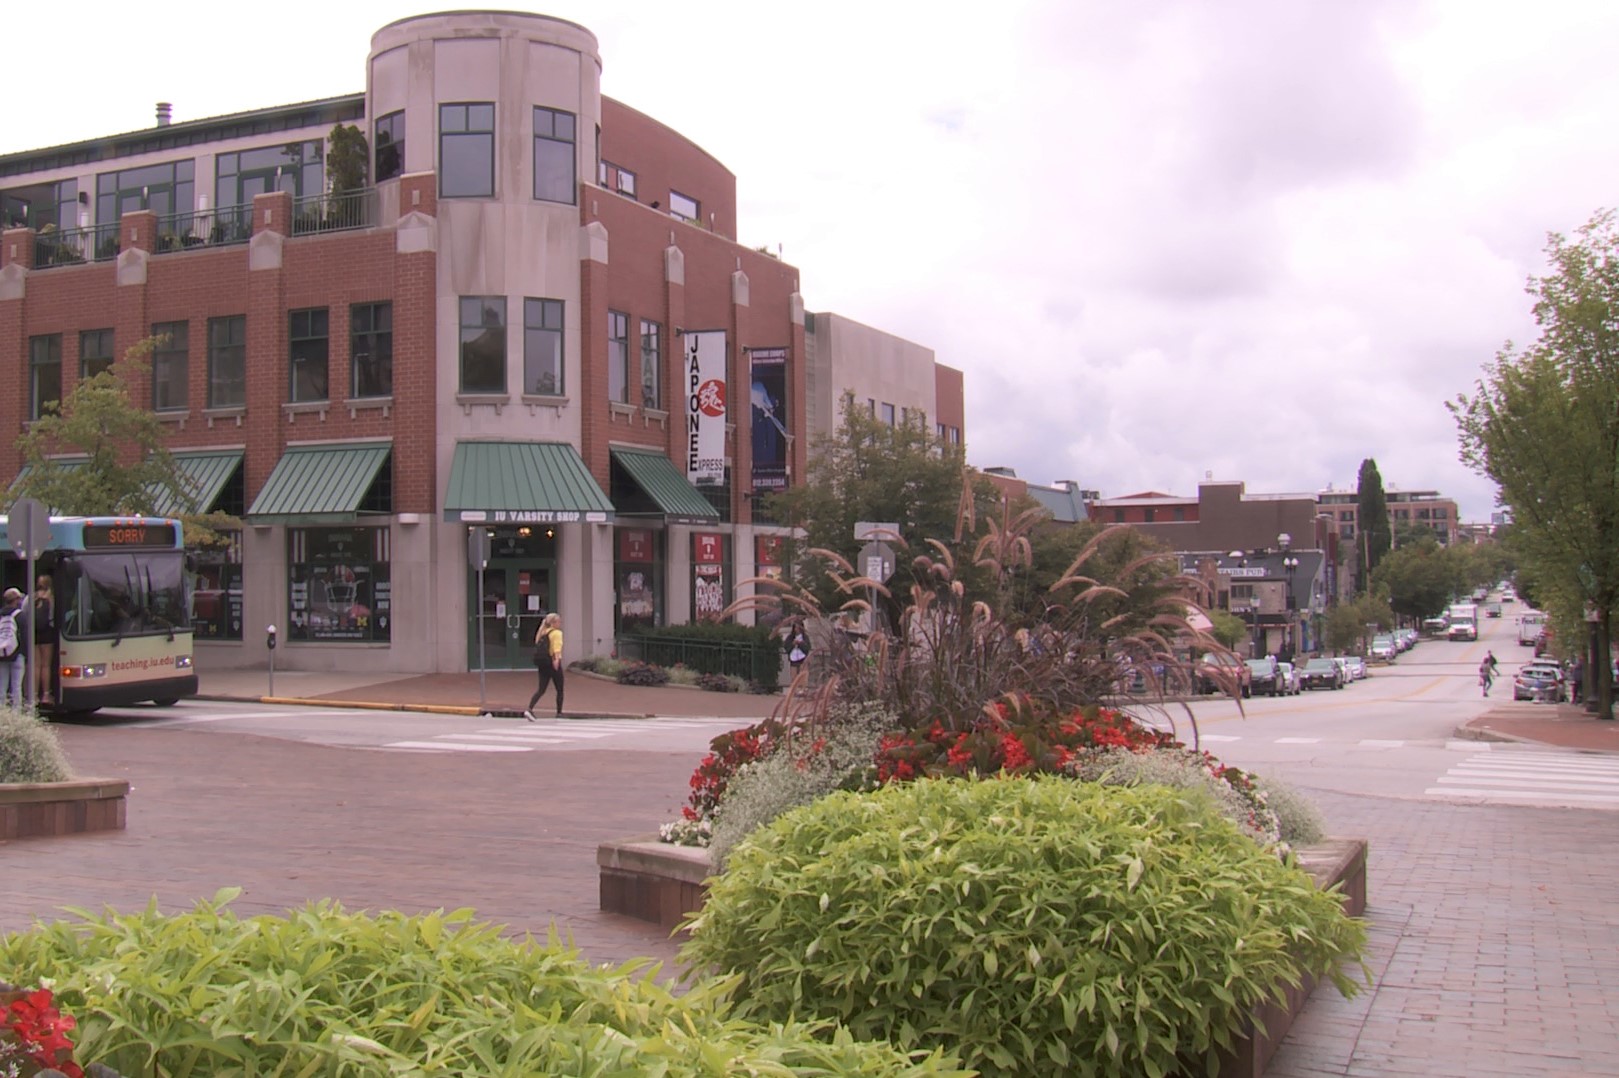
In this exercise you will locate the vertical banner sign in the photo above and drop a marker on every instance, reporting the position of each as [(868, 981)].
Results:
[(768, 400), (705, 407), (708, 576)]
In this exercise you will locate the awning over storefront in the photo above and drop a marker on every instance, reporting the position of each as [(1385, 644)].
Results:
[(668, 492), (204, 474), (523, 483), (320, 483)]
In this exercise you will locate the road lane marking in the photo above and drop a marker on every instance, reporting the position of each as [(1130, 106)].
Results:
[(1537, 795), (455, 746), (1298, 741), (1376, 743)]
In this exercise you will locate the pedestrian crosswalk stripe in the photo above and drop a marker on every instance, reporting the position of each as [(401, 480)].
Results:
[(539, 733), (1298, 741), (454, 746), (1539, 795), (520, 738), (1374, 743)]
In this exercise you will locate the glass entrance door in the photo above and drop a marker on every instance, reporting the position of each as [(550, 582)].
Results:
[(516, 595)]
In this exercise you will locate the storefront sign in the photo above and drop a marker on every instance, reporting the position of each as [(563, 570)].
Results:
[(1233, 571), (634, 544), (530, 516), (707, 548), (768, 407), (705, 406)]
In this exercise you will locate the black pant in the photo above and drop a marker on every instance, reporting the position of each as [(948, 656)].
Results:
[(548, 674)]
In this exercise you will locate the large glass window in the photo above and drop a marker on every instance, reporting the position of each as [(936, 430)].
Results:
[(371, 349), (554, 160), (163, 189), (542, 347), (466, 150), (44, 374), (651, 364), (483, 344), (216, 589), (227, 362), (618, 357), (298, 167), (170, 368), (95, 352), (389, 139), (309, 347), (338, 584), (120, 595)]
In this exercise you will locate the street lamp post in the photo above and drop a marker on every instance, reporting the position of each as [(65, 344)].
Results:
[(1290, 563)]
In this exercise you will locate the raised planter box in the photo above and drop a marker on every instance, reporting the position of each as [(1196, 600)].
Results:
[(49, 809), (654, 881)]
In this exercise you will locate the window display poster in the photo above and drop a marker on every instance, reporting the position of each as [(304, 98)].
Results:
[(708, 548), (708, 575), (634, 544), (768, 409), (339, 587), (215, 587), (637, 605), (767, 555)]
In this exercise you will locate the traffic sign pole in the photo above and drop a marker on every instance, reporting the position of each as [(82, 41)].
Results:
[(28, 526)]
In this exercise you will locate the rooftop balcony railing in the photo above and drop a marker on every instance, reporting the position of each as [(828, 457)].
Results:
[(334, 213), (218, 227), (75, 246)]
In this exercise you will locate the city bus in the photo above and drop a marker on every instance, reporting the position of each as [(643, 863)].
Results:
[(122, 614)]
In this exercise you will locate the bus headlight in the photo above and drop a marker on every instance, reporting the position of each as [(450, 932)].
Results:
[(89, 670), (183, 662)]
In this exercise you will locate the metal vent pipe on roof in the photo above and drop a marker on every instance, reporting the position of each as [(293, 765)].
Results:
[(163, 111)]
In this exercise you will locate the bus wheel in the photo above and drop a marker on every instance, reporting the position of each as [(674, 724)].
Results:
[(168, 701)]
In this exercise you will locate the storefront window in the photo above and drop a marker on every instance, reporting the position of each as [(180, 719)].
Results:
[(708, 585), (338, 586), (638, 571), (216, 590)]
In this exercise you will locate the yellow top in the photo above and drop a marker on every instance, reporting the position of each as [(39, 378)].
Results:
[(556, 643)]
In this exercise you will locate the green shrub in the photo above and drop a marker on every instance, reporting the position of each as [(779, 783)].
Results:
[(604, 665), (720, 683), (29, 751), (1037, 926), (328, 992), (683, 675), (643, 674), (1238, 795), (1298, 817), (797, 774)]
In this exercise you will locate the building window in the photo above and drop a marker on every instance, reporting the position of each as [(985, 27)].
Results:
[(683, 207), (1118, 516), (170, 368), (871, 406), (483, 344), (1180, 512), (615, 178), (651, 364), (554, 156), (618, 357), (542, 347), (95, 352), (389, 139), (44, 375), (297, 167), (371, 349), (163, 189), (338, 584), (308, 350), (887, 415), (1149, 515), (1346, 531), (466, 150), (216, 588), (227, 362)]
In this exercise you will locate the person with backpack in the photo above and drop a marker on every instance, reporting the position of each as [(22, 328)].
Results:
[(548, 660), (798, 648), (45, 638), (13, 633)]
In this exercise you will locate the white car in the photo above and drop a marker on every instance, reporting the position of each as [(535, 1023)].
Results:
[(1291, 685), (1357, 666)]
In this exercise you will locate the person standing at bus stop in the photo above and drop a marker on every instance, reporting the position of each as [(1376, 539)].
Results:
[(13, 644), (44, 640)]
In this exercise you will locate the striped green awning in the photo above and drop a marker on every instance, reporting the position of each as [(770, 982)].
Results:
[(523, 483), (320, 483), (204, 475), (670, 491)]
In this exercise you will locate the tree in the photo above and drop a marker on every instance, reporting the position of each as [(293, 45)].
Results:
[(1228, 629), (1543, 423), (1373, 515), (347, 159), (1419, 579), (1347, 622), (97, 453)]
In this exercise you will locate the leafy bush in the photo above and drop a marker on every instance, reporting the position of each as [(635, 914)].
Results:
[(721, 682), (29, 751), (683, 675), (797, 774), (1241, 799), (643, 674), (328, 992), (1298, 817), (1037, 926), (604, 665)]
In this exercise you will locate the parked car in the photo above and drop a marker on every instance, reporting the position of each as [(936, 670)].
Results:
[(1321, 674), (1357, 666), (1217, 673), (1265, 676), (1291, 682), (1383, 648), (1539, 680), (1344, 667)]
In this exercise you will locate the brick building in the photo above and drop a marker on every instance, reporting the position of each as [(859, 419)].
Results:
[(533, 321)]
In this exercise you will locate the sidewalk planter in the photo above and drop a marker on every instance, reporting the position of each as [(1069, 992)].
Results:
[(50, 809), (658, 882)]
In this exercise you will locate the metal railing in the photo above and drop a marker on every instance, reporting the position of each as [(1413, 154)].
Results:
[(755, 663), (219, 227), (334, 213), (75, 246)]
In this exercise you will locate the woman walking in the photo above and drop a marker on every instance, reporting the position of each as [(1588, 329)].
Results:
[(44, 641), (548, 659)]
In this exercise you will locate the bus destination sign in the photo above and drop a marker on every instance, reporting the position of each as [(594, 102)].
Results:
[(128, 534)]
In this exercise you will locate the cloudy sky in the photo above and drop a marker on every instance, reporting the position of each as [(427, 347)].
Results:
[(1258, 239)]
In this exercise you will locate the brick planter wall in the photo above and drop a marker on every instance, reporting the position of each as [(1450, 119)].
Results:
[(49, 809)]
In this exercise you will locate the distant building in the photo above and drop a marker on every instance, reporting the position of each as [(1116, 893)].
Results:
[(1064, 499), (1407, 509), (890, 376)]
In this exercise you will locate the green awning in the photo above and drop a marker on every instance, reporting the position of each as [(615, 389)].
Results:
[(320, 483), (671, 492), (204, 474), (523, 483)]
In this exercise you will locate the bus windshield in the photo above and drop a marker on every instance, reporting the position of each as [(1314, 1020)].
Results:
[(122, 594)]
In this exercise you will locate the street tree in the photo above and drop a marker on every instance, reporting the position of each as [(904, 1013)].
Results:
[(97, 453), (1543, 423), (1373, 516), (1350, 625), (1418, 578), (1228, 629)]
